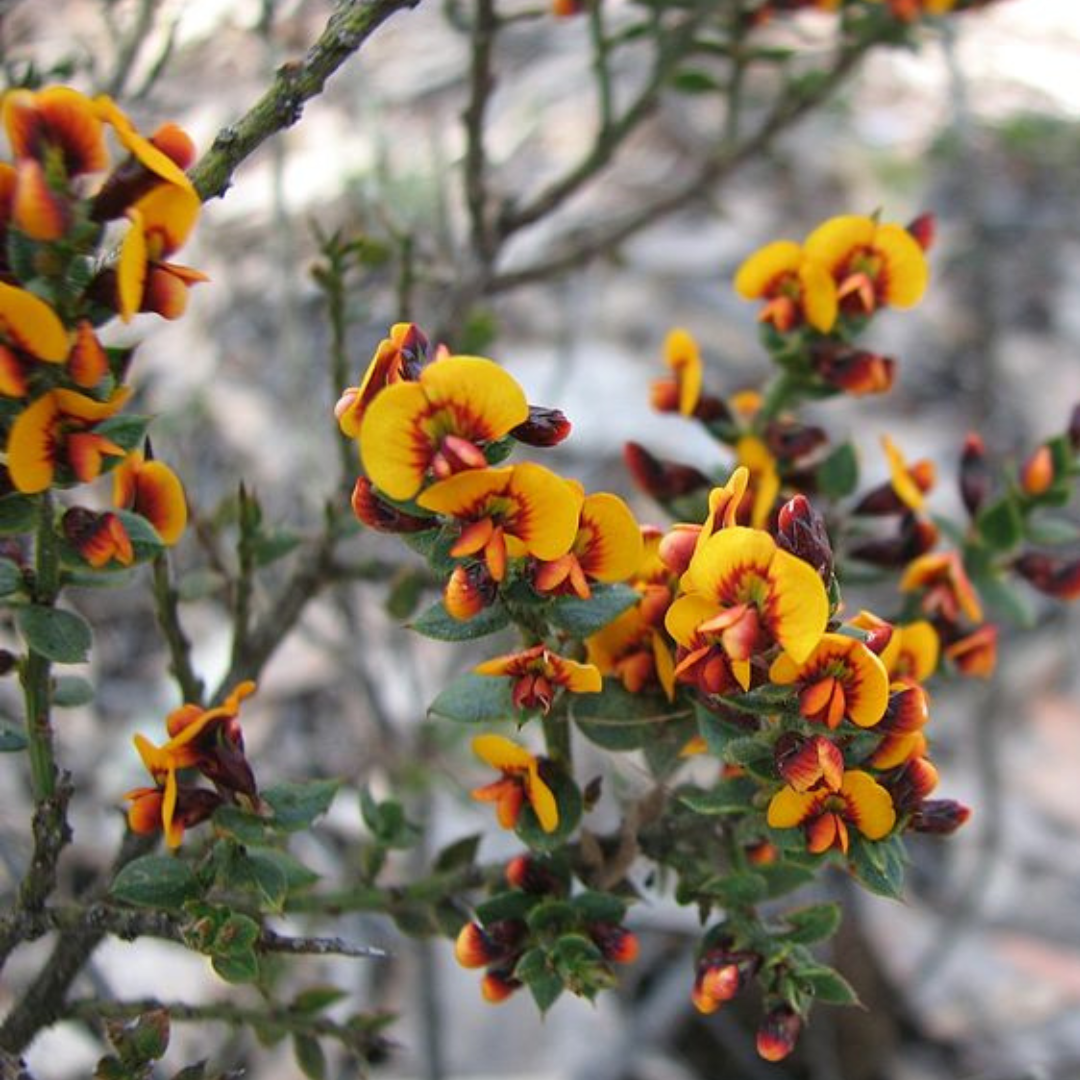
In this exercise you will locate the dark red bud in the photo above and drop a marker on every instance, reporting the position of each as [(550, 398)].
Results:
[(616, 943), (940, 817), (778, 1033), (544, 427), (1056, 577), (661, 479), (974, 474), (801, 532), (791, 441), (911, 783), (924, 229), (376, 513)]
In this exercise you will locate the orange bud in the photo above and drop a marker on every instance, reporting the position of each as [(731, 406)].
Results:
[(175, 144), (37, 210), (497, 986), (778, 1033), (1037, 473)]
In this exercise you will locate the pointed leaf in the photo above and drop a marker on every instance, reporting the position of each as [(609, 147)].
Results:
[(475, 699), (581, 618), (158, 881), (61, 636), (436, 622)]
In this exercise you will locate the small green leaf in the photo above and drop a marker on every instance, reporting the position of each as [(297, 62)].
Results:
[(475, 699), (826, 985), (731, 796), (297, 875), (838, 475), (1005, 599), (12, 739), (61, 636), (241, 825), (316, 999), (582, 618), (460, 853), (615, 719), (1051, 532), (436, 622), (387, 822), (18, 514), (297, 805), (1001, 524), (694, 81), (734, 889), (69, 691), (785, 877), (158, 881), (268, 547), (765, 701), (309, 1056), (879, 865), (507, 905), (127, 431), (814, 923), (599, 907), (243, 968), (545, 989), (256, 875), (11, 577)]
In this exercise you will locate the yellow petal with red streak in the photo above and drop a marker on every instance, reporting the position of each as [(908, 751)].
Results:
[(788, 808), (907, 273), (547, 510), (834, 240), (766, 264), (32, 325), (870, 806), (818, 295), (159, 497), (542, 801), (686, 614), (30, 446), (169, 213), (682, 355), (501, 753), (131, 268), (138, 145), (800, 610), (37, 210), (608, 544)]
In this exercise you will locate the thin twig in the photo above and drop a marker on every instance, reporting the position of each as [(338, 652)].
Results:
[(294, 84), (167, 609), (481, 84)]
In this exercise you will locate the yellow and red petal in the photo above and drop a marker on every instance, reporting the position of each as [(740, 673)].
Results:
[(826, 831), (819, 300), (31, 447), (608, 544), (682, 355), (912, 651), (788, 807), (903, 483), (56, 116), (501, 753), (88, 362), (764, 478), (37, 210), (157, 495), (870, 807), (545, 510), (688, 613), (32, 325), (151, 156), (168, 214), (542, 800), (86, 452), (834, 240), (765, 265), (906, 271), (132, 268), (577, 678), (664, 663), (144, 814), (13, 376), (801, 608)]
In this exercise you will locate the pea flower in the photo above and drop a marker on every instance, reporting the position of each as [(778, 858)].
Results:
[(152, 490), (521, 782), (795, 284), (826, 814), (537, 672), (682, 391)]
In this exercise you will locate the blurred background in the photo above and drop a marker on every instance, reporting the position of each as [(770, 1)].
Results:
[(977, 973)]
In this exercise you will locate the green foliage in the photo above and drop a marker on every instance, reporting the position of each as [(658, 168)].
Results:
[(62, 636)]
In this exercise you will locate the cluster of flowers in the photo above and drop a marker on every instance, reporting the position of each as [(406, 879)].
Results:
[(61, 388)]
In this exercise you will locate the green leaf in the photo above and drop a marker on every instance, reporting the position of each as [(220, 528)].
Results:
[(460, 853), (616, 719), (18, 514), (765, 701), (297, 875), (814, 923), (507, 905), (827, 985), (268, 547), (1007, 602), (387, 821), (243, 968), (552, 916), (599, 907), (297, 805), (731, 796), (309, 1056), (694, 81), (838, 475), (785, 877), (879, 865), (127, 431), (582, 618), (256, 875), (241, 825), (11, 577), (1051, 532), (475, 699), (406, 589), (1001, 524), (436, 622), (61, 636), (545, 989), (316, 999), (157, 881), (69, 691), (12, 739), (734, 889)]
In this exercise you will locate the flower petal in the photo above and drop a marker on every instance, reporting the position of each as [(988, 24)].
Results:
[(501, 753)]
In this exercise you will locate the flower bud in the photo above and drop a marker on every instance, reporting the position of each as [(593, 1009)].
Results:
[(801, 532), (924, 229), (544, 427), (677, 547), (1037, 473), (497, 986), (855, 371), (804, 762), (975, 654), (378, 514), (661, 479), (1054, 576), (911, 783), (974, 474), (528, 873), (778, 1033), (37, 210), (789, 441), (940, 817), (616, 943)]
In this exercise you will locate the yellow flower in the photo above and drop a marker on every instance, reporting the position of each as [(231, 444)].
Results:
[(537, 672), (438, 424), (682, 392), (826, 814), (521, 782), (872, 264), (796, 286), (154, 491)]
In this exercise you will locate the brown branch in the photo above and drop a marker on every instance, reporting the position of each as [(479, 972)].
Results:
[(295, 83), (589, 245), (481, 84)]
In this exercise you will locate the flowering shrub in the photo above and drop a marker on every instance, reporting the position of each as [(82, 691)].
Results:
[(781, 722)]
